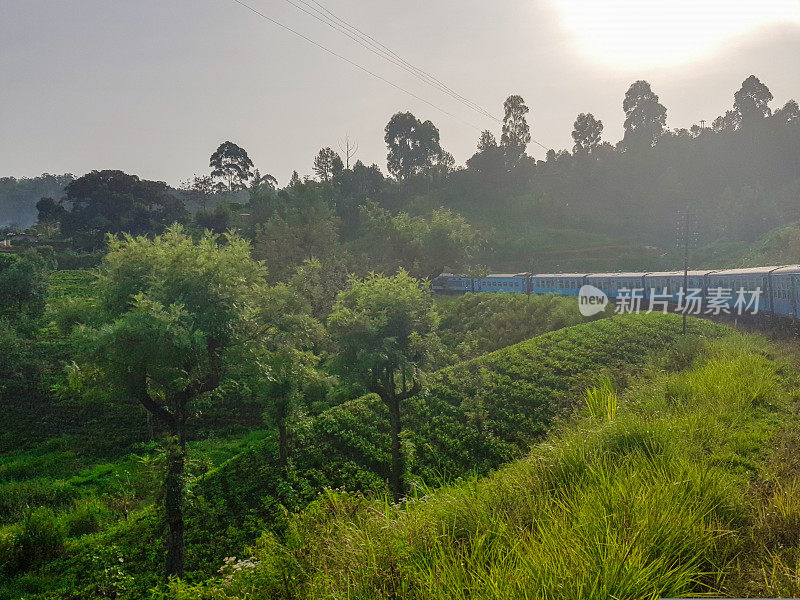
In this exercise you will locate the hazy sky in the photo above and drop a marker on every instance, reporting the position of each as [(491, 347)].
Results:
[(153, 86)]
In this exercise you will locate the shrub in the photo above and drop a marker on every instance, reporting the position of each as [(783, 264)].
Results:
[(87, 516), (684, 353), (38, 537)]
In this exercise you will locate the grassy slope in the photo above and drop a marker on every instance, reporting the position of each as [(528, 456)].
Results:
[(688, 490), (477, 415), (780, 246)]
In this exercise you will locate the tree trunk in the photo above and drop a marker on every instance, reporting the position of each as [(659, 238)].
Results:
[(397, 455), (173, 499)]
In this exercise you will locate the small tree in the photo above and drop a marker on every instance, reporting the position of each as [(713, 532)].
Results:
[(23, 280), (283, 357), (327, 164), (176, 309), (386, 330), (586, 133)]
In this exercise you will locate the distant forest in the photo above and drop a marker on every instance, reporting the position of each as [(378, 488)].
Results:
[(596, 205)]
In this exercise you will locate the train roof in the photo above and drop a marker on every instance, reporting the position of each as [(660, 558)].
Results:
[(626, 275), (568, 275), (693, 273), (505, 275), (749, 271), (787, 269)]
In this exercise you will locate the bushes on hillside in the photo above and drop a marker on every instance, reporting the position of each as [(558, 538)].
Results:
[(651, 504), (474, 324), (38, 537)]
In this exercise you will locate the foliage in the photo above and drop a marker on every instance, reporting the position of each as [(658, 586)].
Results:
[(231, 165), (177, 309), (413, 147), (516, 132), (385, 330), (426, 245), (586, 133), (586, 515), (23, 281), (38, 537), (474, 324), (327, 164), (645, 116), (104, 202)]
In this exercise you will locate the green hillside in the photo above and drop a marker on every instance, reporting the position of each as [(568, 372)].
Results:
[(685, 484), (781, 246), (476, 416)]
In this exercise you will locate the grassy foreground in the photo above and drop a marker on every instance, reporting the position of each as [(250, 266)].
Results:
[(685, 484)]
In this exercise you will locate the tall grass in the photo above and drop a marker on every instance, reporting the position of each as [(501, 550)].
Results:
[(602, 402)]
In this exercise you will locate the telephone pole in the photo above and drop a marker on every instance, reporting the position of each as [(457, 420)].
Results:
[(686, 236)]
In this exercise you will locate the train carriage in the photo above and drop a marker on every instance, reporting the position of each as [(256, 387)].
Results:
[(448, 283), (616, 284), (784, 290), (667, 285), (565, 284), (735, 288), (503, 282)]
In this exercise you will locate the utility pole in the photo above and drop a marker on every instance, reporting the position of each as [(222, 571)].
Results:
[(686, 235)]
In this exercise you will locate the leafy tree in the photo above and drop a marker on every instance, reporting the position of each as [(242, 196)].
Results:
[(486, 141), (217, 220), (104, 202), (261, 182), (488, 160), (284, 357), (327, 164), (23, 280), (177, 311), (285, 240), (385, 328), (790, 113), (199, 189), (231, 164), (586, 133), (730, 121), (645, 116), (49, 211), (426, 245), (413, 146), (751, 101), (318, 281), (516, 132)]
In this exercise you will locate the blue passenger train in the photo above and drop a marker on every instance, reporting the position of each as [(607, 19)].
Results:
[(773, 290)]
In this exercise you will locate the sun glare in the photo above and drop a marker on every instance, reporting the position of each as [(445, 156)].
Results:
[(658, 33)]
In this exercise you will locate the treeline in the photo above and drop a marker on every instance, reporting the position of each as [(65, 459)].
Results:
[(740, 176)]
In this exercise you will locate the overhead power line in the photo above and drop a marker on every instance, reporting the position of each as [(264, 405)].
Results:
[(367, 41), (352, 62), (328, 16)]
